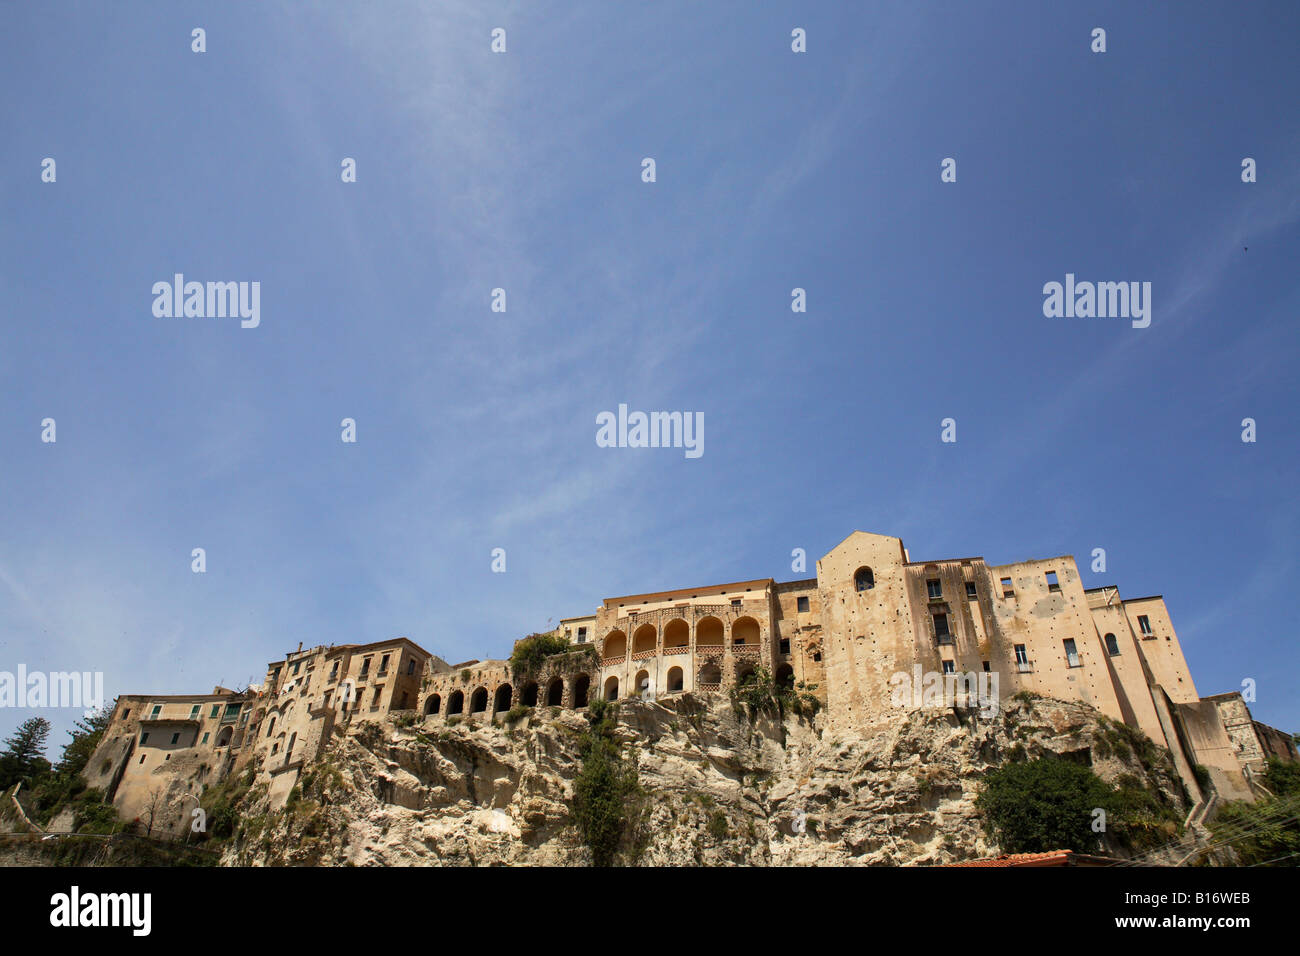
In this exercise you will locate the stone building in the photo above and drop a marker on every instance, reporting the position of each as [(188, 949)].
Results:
[(871, 624)]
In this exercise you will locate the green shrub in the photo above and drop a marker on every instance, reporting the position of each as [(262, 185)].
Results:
[(607, 798), (1041, 805)]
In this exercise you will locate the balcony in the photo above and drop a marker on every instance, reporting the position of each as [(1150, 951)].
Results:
[(643, 655), (745, 650), (612, 661), (679, 649)]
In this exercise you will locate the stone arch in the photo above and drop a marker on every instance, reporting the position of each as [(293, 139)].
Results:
[(674, 679), (784, 676), (708, 632), (501, 700), (745, 630), (581, 688), (641, 684), (456, 703), (744, 672), (555, 692), (615, 644), (677, 633), (710, 673), (644, 638), (478, 701), (433, 704), (529, 695), (611, 687), (863, 579), (224, 735)]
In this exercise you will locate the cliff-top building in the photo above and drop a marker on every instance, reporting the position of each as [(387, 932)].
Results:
[(870, 615)]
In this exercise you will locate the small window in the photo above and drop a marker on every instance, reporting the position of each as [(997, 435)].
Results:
[(410, 667), (986, 667), (365, 667), (205, 737), (1144, 624), (802, 604), (785, 645), (216, 709), (176, 738), (296, 666), (1071, 653), (1052, 583), (334, 671), (941, 628), (144, 737), (142, 756), (126, 713), (383, 664), (157, 708), (1022, 659), (1112, 645), (934, 588), (817, 656), (735, 602), (582, 635), (864, 580), (970, 590), (949, 667), (1007, 589), (194, 712)]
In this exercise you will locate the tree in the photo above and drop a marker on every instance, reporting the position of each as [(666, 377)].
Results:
[(23, 758), (606, 794), (1041, 805), (86, 736)]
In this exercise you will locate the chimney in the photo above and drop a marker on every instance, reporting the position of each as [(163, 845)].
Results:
[(299, 648)]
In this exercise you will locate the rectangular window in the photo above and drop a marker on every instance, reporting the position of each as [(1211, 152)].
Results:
[(1007, 589), (194, 712), (126, 713), (1022, 659), (1071, 653), (410, 666), (735, 602), (803, 605), (157, 708), (383, 664), (934, 588), (941, 629), (365, 667), (205, 737), (970, 589), (1052, 583), (1144, 623), (297, 664), (334, 671), (144, 737), (785, 645), (176, 738), (216, 709), (986, 667), (949, 667), (1112, 645), (582, 635)]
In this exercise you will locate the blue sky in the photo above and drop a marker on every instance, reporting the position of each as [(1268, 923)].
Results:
[(522, 170)]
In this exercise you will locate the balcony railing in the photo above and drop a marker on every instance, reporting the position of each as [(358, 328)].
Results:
[(709, 687), (611, 661), (642, 655), (679, 649), (747, 650)]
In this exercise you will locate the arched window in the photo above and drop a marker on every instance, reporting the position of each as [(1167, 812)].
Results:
[(432, 705), (864, 580), (674, 680), (1112, 645), (611, 688)]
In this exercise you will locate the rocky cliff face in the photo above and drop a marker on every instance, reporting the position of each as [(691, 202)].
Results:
[(719, 789)]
